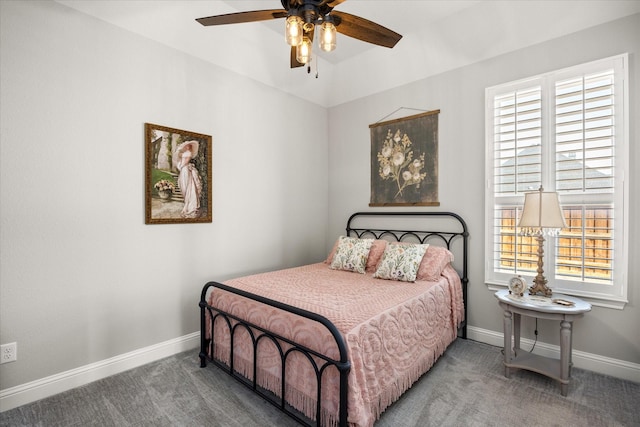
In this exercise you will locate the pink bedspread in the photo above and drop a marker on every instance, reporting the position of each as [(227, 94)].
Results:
[(394, 332)]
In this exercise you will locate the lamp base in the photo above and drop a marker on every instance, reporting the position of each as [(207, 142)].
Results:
[(540, 287), (539, 282)]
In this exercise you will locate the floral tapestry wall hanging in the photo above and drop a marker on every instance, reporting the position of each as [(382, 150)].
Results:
[(404, 161), (177, 176)]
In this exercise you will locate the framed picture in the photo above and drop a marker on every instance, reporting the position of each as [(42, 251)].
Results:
[(177, 176), (404, 161)]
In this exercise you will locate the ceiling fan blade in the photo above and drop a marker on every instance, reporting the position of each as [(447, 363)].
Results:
[(294, 60), (240, 17), (334, 3), (365, 30)]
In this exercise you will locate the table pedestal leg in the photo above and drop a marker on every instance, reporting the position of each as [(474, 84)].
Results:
[(507, 342), (516, 333), (565, 355)]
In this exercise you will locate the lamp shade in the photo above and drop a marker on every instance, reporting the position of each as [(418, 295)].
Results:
[(542, 210)]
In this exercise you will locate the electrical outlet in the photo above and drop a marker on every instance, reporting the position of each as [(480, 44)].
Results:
[(8, 352)]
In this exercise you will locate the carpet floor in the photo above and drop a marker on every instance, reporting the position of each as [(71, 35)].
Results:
[(466, 387)]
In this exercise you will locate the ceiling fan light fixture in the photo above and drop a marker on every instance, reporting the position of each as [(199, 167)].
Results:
[(327, 36), (303, 18), (293, 30), (303, 51)]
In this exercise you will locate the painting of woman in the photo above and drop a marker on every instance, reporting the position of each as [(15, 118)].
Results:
[(178, 172), (188, 179)]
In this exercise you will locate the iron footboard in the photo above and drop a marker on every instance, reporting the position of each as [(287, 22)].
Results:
[(258, 333)]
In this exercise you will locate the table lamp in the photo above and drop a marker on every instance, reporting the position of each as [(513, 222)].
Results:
[(541, 214)]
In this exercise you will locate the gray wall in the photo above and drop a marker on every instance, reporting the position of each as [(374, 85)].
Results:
[(82, 277), (459, 95)]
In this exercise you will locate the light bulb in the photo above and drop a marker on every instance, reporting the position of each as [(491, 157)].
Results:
[(293, 30), (303, 51), (327, 36)]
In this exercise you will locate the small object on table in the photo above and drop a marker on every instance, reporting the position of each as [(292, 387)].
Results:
[(517, 286), (563, 302)]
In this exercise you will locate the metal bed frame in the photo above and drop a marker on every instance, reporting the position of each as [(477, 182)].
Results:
[(286, 346)]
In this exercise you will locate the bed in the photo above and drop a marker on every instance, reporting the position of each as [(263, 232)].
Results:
[(337, 342)]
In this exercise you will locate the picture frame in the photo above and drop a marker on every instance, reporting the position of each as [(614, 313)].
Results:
[(178, 176), (404, 161)]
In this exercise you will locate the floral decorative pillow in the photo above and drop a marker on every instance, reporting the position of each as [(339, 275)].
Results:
[(434, 261), (351, 254), (375, 254), (401, 262)]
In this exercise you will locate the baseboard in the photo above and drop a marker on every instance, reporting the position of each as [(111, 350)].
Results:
[(583, 360), (30, 392)]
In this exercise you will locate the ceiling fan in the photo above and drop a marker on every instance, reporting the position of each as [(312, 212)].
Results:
[(302, 17)]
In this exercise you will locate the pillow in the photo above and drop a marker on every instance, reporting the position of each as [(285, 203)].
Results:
[(375, 254), (333, 251), (401, 262), (351, 254), (433, 263)]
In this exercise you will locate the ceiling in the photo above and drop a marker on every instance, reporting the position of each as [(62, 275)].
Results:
[(438, 35)]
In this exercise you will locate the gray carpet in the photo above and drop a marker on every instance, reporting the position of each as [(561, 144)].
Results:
[(466, 387)]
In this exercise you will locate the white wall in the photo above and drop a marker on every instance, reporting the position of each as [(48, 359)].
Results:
[(459, 95), (82, 277)]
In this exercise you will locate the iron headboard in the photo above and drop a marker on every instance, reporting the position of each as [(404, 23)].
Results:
[(452, 231)]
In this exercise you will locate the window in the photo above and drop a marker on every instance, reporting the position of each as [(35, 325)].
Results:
[(566, 131)]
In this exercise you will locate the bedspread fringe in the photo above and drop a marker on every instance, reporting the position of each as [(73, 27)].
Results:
[(307, 405), (268, 381), (392, 394)]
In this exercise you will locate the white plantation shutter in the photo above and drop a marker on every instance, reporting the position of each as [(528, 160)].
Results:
[(517, 168), (584, 162), (517, 140), (566, 131), (585, 248), (584, 132)]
